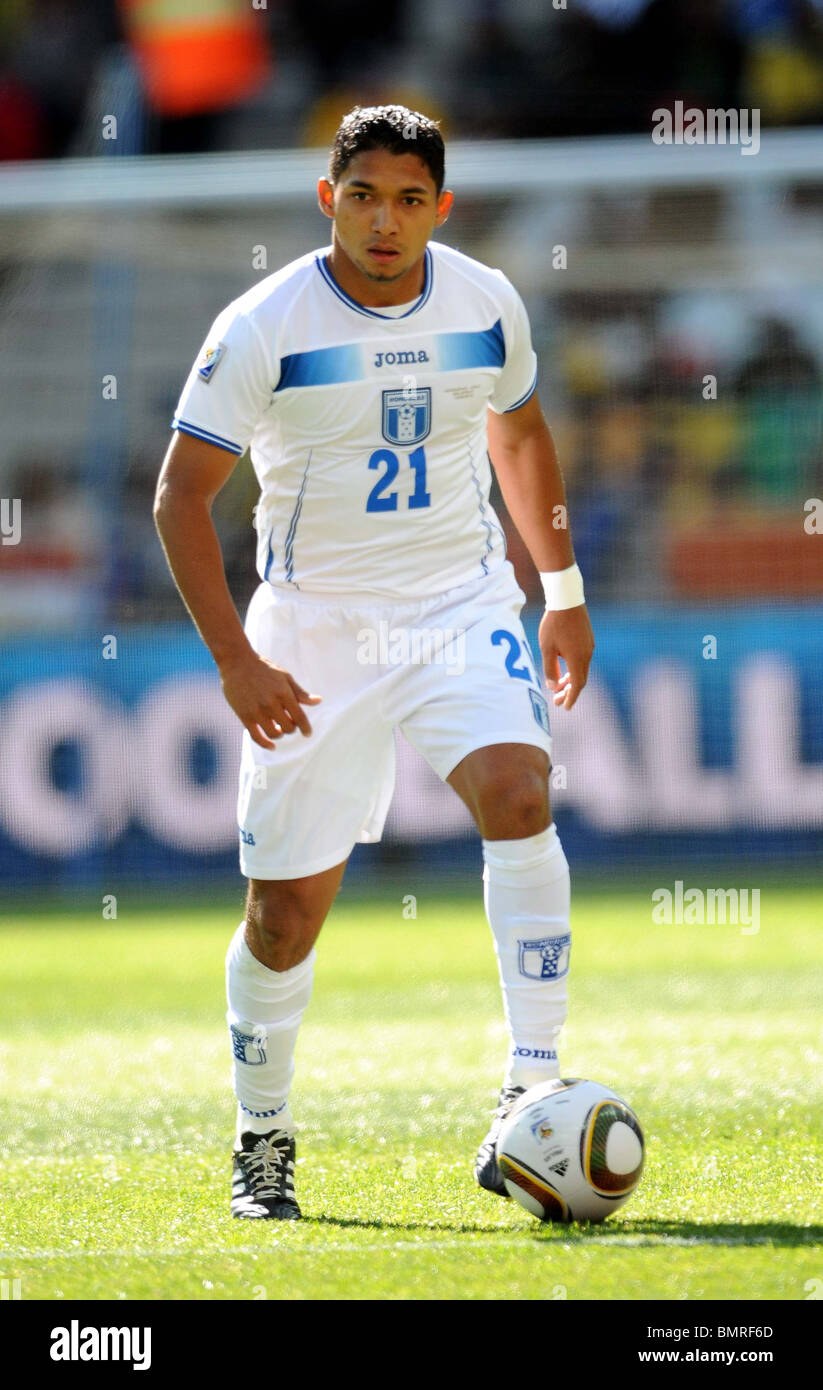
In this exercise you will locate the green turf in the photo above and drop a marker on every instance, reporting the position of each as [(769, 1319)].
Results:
[(116, 1115)]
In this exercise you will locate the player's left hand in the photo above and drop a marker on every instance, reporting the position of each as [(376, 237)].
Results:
[(566, 633)]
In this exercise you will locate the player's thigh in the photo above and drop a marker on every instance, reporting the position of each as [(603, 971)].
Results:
[(481, 720), (303, 805), (506, 788)]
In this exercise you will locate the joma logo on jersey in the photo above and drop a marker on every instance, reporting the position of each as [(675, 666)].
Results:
[(407, 415), (399, 359)]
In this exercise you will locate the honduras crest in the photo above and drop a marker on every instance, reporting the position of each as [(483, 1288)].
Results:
[(546, 958), (540, 709), (248, 1047), (407, 415)]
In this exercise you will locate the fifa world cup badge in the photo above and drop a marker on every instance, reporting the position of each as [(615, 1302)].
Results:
[(210, 360)]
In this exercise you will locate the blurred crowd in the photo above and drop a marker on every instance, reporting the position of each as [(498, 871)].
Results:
[(676, 453), (279, 72), (689, 437)]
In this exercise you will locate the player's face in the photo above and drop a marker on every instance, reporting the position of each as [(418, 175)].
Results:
[(385, 208)]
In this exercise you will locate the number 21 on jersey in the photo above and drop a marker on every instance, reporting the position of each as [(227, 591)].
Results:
[(380, 499)]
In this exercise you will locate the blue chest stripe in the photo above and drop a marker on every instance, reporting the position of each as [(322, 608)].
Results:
[(447, 352)]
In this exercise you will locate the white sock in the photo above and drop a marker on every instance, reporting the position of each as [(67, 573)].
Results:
[(527, 897), (264, 1014)]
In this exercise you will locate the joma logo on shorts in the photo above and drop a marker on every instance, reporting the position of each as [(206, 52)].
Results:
[(399, 359)]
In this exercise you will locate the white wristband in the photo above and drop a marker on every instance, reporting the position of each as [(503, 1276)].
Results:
[(563, 588)]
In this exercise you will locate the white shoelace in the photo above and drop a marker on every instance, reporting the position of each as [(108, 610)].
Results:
[(263, 1165)]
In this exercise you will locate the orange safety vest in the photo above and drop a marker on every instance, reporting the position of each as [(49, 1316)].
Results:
[(197, 55)]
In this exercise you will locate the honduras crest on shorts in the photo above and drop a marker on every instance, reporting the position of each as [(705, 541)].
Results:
[(540, 709), (407, 415), (547, 958), (248, 1047)]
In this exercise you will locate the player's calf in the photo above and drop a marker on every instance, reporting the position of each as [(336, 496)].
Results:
[(527, 904)]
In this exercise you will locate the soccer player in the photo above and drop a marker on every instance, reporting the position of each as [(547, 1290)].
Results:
[(371, 380)]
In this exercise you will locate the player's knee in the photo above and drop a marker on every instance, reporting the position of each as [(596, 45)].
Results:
[(282, 923), (514, 808)]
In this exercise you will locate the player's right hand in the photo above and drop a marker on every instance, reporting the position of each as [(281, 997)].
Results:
[(265, 698)]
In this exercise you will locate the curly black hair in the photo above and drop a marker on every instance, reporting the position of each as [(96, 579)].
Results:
[(393, 128)]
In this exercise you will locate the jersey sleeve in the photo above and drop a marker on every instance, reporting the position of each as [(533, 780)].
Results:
[(229, 386), (518, 377)]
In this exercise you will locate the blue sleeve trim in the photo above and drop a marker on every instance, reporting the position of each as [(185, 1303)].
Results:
[(210, 438), (523, 399)]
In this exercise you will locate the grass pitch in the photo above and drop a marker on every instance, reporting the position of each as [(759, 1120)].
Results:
[(116, 1116)]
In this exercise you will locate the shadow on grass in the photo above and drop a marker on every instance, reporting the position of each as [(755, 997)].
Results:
[(358, 1223), (637, 1233), (650, 1232)]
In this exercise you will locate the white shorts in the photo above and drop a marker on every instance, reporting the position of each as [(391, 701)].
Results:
[(453, 673)]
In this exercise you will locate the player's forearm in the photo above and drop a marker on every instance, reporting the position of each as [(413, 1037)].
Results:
[(532, 487), (196, 562)]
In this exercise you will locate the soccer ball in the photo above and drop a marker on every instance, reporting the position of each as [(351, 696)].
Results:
[(570, 1150)]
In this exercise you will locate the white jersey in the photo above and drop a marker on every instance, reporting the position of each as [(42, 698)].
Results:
[(367, 427)]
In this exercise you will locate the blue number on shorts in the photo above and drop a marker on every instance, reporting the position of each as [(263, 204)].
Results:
[(419, 498), (521, 673), (376, 502)]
